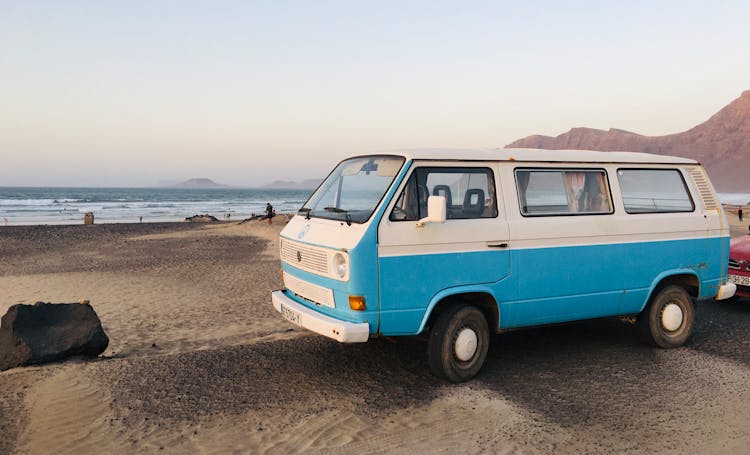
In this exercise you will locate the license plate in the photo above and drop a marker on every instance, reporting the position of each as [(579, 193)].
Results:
[(289, 314), (739, 280)]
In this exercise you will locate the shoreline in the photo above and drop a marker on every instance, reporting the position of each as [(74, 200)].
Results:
[(39, 205), (98, 222), (737, 228)]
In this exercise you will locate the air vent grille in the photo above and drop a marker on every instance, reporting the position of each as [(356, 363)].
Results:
[(704, 188), (305, 257)]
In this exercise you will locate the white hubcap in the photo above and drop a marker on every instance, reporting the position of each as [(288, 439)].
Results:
[(466, 344), (671, 317)]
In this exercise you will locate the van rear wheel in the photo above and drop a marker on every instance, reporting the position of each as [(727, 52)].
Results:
[(667, 320), (458, 343)]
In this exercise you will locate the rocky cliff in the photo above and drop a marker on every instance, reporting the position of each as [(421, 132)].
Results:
[(721, 144)]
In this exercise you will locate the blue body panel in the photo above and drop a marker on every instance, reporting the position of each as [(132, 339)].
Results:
[(547, 285), (410, 282)]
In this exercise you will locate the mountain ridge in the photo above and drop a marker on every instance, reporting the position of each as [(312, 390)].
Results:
[(721, 144)]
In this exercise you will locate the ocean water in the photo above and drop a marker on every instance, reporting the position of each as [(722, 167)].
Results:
[(29, 205), (734, 198)]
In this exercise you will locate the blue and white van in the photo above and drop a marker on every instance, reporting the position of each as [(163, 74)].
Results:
[(459, 244)]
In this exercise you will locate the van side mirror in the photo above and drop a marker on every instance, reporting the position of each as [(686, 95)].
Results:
[(436, 211)]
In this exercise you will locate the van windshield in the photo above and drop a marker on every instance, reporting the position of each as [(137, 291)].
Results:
[(353, 189)]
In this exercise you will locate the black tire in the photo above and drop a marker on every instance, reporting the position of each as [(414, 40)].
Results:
[(441, 349), (654, 321)]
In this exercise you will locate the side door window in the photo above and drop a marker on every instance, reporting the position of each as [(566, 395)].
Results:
[(549, 192), (469, 193)]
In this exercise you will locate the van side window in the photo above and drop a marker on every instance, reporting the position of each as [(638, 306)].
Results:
[(654, 191), (546, 192), (469, 193)]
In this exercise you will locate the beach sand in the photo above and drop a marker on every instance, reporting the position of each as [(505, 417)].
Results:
[(159, 289), (199, 362), (738, 228)]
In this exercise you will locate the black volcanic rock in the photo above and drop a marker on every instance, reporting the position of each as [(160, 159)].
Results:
[(45, 332), (721, 144), (205, 218)]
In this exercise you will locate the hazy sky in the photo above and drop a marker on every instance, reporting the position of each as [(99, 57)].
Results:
[(133, 93)]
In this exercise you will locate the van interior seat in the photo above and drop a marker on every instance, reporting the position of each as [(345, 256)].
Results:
[(443, 190), (474, 202)]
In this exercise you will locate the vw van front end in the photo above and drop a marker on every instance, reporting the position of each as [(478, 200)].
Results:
[(329, 255)]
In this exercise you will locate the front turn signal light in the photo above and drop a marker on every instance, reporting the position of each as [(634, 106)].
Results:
[(357, 303)]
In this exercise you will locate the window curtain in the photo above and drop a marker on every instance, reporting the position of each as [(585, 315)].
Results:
[(602, 203), (595, 195), (522, 177), (574, 183)]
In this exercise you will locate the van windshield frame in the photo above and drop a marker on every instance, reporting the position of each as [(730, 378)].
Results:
[(354, 189)]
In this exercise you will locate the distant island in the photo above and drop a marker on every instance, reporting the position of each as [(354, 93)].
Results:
[(307, 184), (205, 183), (199, 183)]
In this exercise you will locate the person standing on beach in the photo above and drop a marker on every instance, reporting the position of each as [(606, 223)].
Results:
[(739, 213), (269, 212)]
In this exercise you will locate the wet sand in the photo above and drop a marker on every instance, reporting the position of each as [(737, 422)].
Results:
[(199, 362)]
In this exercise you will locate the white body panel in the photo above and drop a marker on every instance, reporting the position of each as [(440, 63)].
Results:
[(329, 233), (521, 155), (618, 227), (462, 235)]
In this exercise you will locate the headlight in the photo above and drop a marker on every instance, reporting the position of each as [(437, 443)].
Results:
[(340, 265)]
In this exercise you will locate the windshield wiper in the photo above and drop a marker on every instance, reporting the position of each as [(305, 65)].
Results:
[(306, 210), (338, 210)]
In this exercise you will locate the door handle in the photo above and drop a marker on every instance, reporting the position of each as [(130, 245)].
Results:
[(498, 245)]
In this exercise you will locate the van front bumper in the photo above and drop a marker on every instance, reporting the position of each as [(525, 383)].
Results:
[(341, 331), (726, 291)]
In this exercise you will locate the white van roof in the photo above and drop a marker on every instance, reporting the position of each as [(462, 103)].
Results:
[(541, 155)]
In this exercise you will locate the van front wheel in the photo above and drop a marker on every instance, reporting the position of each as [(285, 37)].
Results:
[(458, 343), (667, 321)]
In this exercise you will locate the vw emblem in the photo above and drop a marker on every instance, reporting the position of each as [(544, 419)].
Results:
[(299, 256), (302, 233)]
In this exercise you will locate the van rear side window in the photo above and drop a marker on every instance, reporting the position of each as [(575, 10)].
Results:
[(654, 191), (548, 192)]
